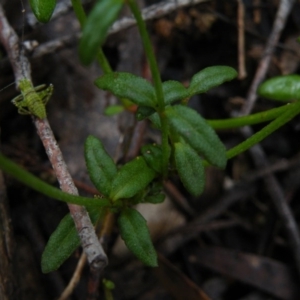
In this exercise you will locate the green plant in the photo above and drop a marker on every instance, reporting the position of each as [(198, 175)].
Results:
[(43, 9), (188, 142), (281, 88)]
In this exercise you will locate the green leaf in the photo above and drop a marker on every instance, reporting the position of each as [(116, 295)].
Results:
[(126, 85), (155, 199), (210, 77), (197, 133), (190, 168), (173, 91), (144, 112), (153, 194), (114, 110), (153, 156), (43, 9), (131, 179), (154, 118), (135, 233), (281, 88), (62, 243), (104, 13), (101, 167)]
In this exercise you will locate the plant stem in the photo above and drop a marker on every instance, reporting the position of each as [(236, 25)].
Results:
[(81, 16), (156, 81), (290, 112), (103, 62), (79, 11), (37, 184), (251, 119), (149, 53)]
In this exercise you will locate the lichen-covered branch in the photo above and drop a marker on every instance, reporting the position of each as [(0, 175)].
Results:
[(21, 67)]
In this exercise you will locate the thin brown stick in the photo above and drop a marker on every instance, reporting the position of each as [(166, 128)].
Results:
[(89, 241), (75, 278), (136, 140), (279, 166), (241, 40), (279, 200), (180, 236), (283, 11), (149, 13), (8, 284), (180, 200), (256, 12), (258, 155), (153, 12), (106, 229)]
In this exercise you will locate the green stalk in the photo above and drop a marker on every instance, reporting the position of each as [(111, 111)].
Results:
[(156, 81), (251, 119), (149, 53), (290, 112), (103, 62), (37, 184), (79, 11), (81, 16)]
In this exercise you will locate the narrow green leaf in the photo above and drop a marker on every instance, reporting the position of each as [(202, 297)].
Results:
[(101, 167), (281, 88), (104, 13), (43, 9), (173, 91), (62, 243), (127, 85), (197, 133), (131, 179), (190, 168), (210, 77), (135, 233), (153, 156)]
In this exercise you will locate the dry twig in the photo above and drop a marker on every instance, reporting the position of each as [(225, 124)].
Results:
[(93, 249), (106, 229), (241, 40), (279, 200), (283, 11), (89, 241), (260, 159), (180, 236), (8, 284), (153, 12), (149, 13), (75, 278)]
